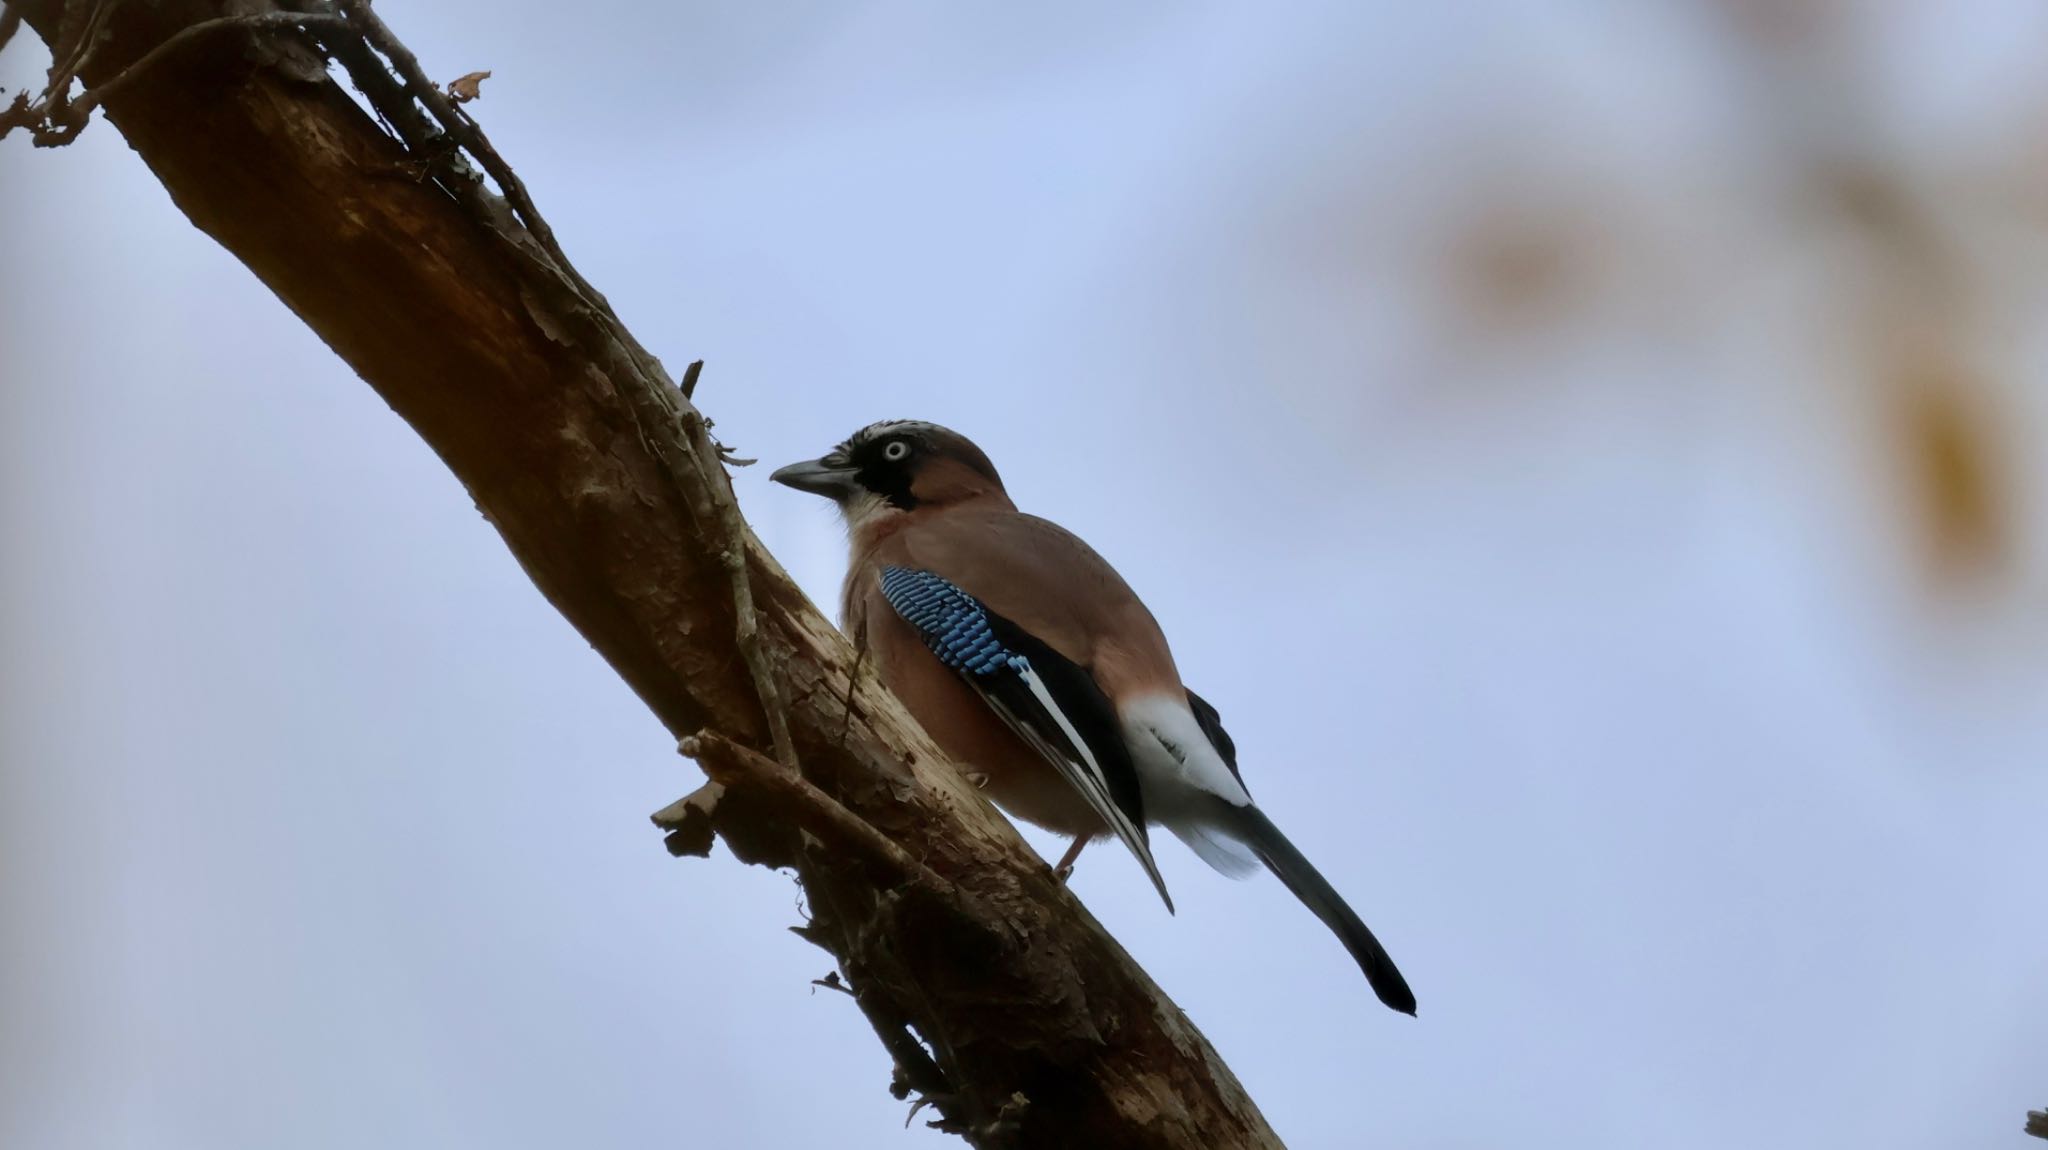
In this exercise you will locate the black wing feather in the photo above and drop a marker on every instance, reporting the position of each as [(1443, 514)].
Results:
[(1081, 700), (1212, 726)]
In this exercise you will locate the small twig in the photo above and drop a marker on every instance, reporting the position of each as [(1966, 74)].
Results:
[(747, 629), (56, 120), (512, 214), (917, 1069), (746, 621), (78, 28), (915, 1064), (832, 981), (385, 95), (708, 495), (184, 36), (736, 765), (18, 113), (689, 389), (465, 132), (860, 654)]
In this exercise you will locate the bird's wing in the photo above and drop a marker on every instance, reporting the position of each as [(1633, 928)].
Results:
[(1212, 728), (1053, 585), (1051, 702)]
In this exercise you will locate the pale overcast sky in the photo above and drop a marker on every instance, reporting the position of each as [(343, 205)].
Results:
[(1582, 642)]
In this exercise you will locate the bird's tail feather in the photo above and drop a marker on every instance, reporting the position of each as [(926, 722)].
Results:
[(1217, 847), (1308, 885)]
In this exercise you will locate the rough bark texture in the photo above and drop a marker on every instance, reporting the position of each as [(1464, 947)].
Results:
[(606, 487)]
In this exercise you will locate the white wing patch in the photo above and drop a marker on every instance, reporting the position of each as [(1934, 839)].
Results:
[(1183, 775), (1179, 752)]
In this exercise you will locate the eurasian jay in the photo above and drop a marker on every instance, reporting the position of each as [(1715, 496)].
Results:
[(1034, 665)]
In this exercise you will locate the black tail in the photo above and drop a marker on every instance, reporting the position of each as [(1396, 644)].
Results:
[(1315, 892)]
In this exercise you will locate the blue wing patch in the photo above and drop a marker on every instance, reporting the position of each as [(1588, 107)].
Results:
[(950, 622)]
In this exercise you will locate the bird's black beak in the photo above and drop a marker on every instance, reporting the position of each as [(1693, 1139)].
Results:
[(825, 477)]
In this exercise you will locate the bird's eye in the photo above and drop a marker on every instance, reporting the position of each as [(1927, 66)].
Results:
[(896, 451)]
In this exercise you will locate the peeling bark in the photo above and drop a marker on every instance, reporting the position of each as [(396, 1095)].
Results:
[(1036, 1028)]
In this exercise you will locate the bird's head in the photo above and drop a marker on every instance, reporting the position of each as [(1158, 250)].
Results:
[(893, 468)]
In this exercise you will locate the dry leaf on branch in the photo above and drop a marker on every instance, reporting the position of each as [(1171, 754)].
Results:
[(463, 89)]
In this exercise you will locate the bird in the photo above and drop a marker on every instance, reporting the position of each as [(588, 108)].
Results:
[(1034, 666)]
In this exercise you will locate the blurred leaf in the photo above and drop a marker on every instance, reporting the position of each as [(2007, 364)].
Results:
[(1512, 267), (1961, 504)]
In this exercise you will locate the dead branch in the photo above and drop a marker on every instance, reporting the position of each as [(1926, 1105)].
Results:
[(1001, 1001)]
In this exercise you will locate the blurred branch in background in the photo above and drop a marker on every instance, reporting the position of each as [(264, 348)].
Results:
[(1766, 233), (1004, 1003), (1913, 327)]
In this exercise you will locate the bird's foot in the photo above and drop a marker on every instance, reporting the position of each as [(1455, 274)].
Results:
[(976, 779), (1064, 869)]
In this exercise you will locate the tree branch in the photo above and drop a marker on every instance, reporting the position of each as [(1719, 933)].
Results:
[(999, 998), (734, 767), (10, 23)]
